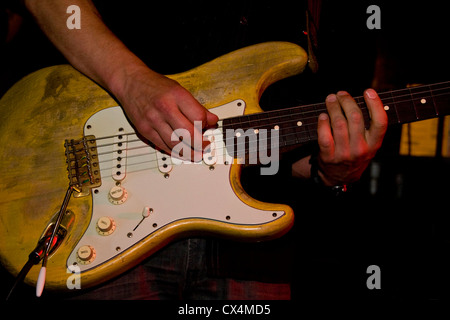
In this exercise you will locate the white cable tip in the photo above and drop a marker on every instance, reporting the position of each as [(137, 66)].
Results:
[(41, 281)]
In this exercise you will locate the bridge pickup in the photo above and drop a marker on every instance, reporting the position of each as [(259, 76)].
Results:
[(82, 165)]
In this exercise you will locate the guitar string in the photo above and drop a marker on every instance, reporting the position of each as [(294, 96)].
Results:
[(140, 163), (303, 135), (146, 154), (302, 113), (360, 104), (304, 121)]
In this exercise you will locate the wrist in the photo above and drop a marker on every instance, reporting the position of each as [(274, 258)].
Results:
[(117, 80), (319, 178)]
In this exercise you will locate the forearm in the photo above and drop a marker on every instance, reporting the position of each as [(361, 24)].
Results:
[(302, 169), (93, 49)]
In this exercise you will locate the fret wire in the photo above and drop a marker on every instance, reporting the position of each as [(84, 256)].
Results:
[(300, 126), (395, 101), (301, 111), (306, 124), (389, 107), (435, 92), (424, 106), (443, 100), (434, 101), (416, 116), (303, 138)]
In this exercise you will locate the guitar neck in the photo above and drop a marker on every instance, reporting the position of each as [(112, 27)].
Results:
[(298, 125)]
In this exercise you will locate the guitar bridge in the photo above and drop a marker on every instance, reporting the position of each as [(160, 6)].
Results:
[(82, 165)]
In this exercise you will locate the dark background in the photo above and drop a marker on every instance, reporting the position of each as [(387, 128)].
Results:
[(403, 227)]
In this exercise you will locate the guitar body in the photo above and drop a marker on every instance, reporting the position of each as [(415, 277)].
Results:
[(150, 200)]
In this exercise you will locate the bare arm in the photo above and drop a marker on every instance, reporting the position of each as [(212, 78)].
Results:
[(85, 47), (155, 104)]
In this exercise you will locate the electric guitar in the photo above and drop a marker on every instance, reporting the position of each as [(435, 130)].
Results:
[(60, 131)]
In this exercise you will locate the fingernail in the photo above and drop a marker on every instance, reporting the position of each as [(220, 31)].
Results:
[(331, 98), (323, 116), (371, 93)]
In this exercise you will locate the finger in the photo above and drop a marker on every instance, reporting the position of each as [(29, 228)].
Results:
[(192, 135), (189, 132), (191, 108), (194, 117), (211, 119), (157, 141), (355, 118), (179, 144), (325, 138), (338, 123), (378, 119), (166, 137), (171, 137)]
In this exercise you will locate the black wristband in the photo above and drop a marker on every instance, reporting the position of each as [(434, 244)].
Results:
[(314, 162), (315, 177)]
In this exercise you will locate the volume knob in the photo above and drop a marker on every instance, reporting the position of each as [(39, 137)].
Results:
[(105, 226), (117, 195), (86, 254)]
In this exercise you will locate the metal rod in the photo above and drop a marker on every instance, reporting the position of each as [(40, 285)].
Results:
[(42, 273)]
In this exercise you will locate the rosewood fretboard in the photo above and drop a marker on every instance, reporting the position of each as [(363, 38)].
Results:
[(298, 125)]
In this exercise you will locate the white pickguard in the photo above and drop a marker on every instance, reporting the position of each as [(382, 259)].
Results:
[(169, 190)]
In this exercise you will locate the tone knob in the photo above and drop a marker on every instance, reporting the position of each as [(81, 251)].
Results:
[(105, 226), (86, 254), (117, 195)]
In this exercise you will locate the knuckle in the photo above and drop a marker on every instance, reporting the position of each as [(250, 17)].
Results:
[(325, 142), (362, 154), (340, 124), (355, 117), (176, 88), (344, 157), (179, 93), (146, 130), (381, 126), (199, 115), (359, 154), (151, 117), (163, 102)]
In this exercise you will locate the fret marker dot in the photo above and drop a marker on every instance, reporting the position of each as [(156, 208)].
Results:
[(423, 101), (386, 108), (299, 123), (256, 131), (277, 127), (238, 134)]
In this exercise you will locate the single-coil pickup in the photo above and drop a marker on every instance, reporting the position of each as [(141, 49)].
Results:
[(120, 156), (210, 155)]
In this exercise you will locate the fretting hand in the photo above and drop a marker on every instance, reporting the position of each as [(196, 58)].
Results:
[(346, 147)]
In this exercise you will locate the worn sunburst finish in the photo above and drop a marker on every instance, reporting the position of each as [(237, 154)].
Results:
[(53, 104)]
